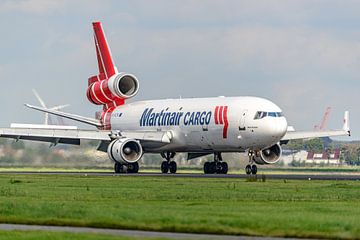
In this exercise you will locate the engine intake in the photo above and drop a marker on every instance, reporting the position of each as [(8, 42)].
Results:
[(124, 85), (117, 88), (269, 155), (125, 151)]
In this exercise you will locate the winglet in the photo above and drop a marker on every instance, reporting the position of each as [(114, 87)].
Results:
[(346, 126), (105, 62)]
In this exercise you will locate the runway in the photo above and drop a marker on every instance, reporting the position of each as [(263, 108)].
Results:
[(129, 233), (310, 176)]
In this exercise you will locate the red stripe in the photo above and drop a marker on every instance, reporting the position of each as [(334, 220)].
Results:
[(226, 123), (221, 115), (98, 93), (101, 69), (106, 118), (106, 90), (216, 115), (104, 51)]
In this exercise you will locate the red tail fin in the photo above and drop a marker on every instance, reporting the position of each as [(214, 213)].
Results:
[(106, 65)]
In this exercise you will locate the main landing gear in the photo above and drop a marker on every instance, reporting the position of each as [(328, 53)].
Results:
[(126, 168), (217, 166), (168, 165), (251, 168)]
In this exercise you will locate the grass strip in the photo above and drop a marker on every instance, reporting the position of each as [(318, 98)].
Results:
[(319, 209)]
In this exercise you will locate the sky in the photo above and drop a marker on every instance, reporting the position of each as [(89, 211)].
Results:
[(302, 55)]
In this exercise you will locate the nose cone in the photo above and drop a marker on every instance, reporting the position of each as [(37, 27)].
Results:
[(280, 127), (276, 128)]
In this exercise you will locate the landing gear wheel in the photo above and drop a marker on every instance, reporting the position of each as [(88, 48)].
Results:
[(248, 169), (172, 167), (118, 167), (133, 167), (164, 167), (254, 169), (207, 168), (224, 168), (218, 167), (212, 167)]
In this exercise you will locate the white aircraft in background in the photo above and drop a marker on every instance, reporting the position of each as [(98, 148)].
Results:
[(197, 126)]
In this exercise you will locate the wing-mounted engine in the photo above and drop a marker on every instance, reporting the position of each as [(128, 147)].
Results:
[(269, 155), (125, 150), (109, 88)]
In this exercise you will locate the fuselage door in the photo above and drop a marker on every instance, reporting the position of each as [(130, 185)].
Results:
[(242, 122)]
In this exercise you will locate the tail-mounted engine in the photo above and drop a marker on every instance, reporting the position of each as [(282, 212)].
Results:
[(269, 155), (115, 89), (125, 151)]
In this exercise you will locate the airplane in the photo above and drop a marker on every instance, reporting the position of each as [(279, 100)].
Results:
[(196, 126)]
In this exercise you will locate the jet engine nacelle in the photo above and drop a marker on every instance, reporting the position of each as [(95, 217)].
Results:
[(117, 88), (268, 155), (125, 150)]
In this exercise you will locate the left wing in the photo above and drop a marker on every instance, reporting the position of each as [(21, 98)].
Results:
[(291, 134), (73, 136), (55, 136)]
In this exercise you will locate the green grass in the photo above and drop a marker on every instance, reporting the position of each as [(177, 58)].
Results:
[(44, 235), (321, 209)]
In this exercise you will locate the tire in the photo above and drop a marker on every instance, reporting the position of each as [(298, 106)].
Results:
[(172, 167), (224, 168), (212, 167), (118, 168), (218, 169), (164, 167), (207, 168), (254, 169), (248, 169), (136, 167), (133, 168)]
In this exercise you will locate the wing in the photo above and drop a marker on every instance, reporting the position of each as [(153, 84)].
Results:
[(291, 134), (73, 136)]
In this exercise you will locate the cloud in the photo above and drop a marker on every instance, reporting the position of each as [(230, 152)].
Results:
[(32, 6)]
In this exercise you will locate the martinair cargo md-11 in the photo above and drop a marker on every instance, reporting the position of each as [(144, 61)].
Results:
[(197, 126)]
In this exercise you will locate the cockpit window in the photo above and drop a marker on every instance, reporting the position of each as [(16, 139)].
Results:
[(262, 114)]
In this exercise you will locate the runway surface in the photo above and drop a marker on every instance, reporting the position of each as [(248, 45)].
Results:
[(310, 176), (132, 233)]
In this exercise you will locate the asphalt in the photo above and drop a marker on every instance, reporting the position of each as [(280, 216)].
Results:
[(310, 176), (132, 233)]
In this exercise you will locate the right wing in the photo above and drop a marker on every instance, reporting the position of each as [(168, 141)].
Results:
[(86, 120)]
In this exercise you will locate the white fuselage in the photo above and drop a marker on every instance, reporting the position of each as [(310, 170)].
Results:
[(224, 124)]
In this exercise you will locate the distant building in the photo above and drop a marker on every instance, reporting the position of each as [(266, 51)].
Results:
[(332, 158), (312, 158)]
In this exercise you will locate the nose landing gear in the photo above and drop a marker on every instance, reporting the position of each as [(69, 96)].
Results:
[(251, 168), (168, 165), (217, 166)]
